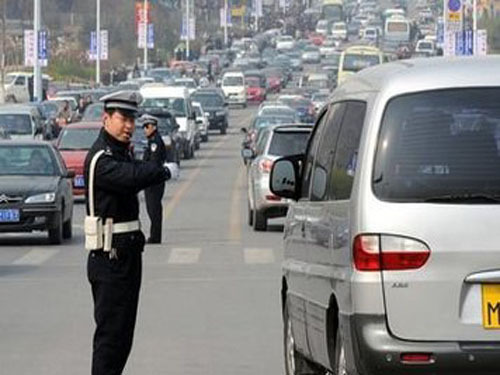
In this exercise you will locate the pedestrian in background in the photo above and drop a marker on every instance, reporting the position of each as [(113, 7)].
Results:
[(155, 152), (112, 230)]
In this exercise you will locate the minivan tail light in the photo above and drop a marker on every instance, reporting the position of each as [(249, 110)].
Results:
[(374, 252), (265, 165), (416, 358)]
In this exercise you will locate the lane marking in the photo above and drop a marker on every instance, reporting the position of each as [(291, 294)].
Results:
[(35, 257), (182, 190), (184, 255), (259, 255), (235, 212)]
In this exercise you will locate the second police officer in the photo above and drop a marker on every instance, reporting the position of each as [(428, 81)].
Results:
[(157, 153), (113, 178)]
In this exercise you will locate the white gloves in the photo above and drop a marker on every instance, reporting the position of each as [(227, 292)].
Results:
[(173, 169)]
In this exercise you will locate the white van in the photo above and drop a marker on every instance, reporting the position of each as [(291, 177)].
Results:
[(21, 121), (233, 85), (17, 86), (177, 101)]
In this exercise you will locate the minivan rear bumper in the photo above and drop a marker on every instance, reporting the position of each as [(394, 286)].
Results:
[(374, 351)]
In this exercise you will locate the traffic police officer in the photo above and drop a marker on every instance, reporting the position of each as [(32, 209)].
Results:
[(156, 152), (114, 269)]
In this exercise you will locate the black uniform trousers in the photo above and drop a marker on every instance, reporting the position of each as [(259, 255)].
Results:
[(115, 288), (154, 195)]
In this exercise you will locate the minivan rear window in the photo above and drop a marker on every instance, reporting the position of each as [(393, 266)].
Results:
[(440, 146)]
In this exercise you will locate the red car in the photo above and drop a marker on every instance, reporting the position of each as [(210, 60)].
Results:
[(255, 91), (317, 39), (74, 143)]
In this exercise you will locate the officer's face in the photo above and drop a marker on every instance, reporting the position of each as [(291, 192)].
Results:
[(119, 126), (149, 130)]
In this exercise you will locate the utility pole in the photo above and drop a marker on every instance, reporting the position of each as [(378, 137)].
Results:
[(474, 25), (98, 46), (2, 61), (146, 27), (37, 72), (225, 23), (188, 28)]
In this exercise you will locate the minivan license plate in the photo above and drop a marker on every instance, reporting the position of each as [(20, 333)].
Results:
[(9, 216), (491, 306)]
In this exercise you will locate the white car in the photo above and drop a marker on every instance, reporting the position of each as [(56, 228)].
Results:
[(323, 27), (339, 31), (177, 101), (329, 46), (426, 46), (233, 86), (201, 121), (188, 83), (285, 43)]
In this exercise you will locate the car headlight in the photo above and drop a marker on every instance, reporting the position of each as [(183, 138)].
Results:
[(220, 113), (41, 198)]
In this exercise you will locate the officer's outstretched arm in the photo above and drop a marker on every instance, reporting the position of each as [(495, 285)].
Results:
[(117, 176)]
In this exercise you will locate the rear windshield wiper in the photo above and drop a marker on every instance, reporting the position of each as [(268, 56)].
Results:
[(464, 198)]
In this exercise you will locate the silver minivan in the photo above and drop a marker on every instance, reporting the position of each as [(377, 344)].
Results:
[(392, 246)]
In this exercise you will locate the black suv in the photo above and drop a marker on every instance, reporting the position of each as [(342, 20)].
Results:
[(213, 102)]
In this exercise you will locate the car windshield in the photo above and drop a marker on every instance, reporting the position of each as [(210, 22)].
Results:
[(276, 111), (27, 160), (425, 45), (252, 81), (317, 83), (319, 98), (93, 112), (264, 121), (49, 109), (232, 81), (176, 106), (439, 143), (16, 124), (78, 138), (209, 100), (288, 143), (188, 83), (357, 62), (9, 78)]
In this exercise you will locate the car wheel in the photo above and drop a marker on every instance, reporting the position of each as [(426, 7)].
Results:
[(223, 130), (244, 105), (204, 138), (259, 221), (295, 363), (340, 359), (56, 233), (250, 214), (68, 228), (187, 152)]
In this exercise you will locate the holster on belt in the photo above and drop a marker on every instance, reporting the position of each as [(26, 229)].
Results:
[(108, 235)]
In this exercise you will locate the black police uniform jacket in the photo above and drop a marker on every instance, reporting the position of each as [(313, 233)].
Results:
[(156, 150), (118, 178)]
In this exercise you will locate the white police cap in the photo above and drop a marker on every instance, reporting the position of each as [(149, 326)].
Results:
[(127, 100), (148, 119)]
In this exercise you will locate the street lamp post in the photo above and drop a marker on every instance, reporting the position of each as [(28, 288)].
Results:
[(98, 44), (188, 31), (37, 73), (225, 23), (146, 24)]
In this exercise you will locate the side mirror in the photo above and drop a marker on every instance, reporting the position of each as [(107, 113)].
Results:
[(69, 174), (285, 175), (199, 122), (247, 153)]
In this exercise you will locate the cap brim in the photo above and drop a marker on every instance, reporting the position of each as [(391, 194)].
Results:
[(122, 106)]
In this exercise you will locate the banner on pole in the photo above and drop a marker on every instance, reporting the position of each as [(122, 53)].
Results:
[(192, 29), (227, 17), (104, 45), (29, 48)]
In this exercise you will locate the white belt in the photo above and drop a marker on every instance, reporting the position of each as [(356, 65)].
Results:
[(129, 226)]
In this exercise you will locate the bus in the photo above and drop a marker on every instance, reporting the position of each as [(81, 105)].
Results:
[(356, 58), (332, 10), (397, 32)]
